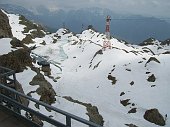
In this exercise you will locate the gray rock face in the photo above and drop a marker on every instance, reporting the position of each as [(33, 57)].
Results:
[(5, 29), (154, 116)]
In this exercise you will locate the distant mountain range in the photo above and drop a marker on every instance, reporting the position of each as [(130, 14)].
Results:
[(132, 28)]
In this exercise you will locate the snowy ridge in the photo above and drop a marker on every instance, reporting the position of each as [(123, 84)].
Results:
[(101, 78)]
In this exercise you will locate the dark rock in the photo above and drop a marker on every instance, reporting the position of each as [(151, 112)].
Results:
[(122, 93), (5, 29), (16, 42), (140, 62), (112, 70), (131, 125), (154, 116), (46, 70), (125, 50), (17, 60), (133, 104), (132, 83), (92, 111), (113, 79), (100, 52), (167, 52), (47, 95), (148, 72), (94, 115), (151, 78), (133, 110), (97, 65), (128, 69), (43, 43), (37, 79), (152, 59), (27, 40), (125, 102), (45, 90)]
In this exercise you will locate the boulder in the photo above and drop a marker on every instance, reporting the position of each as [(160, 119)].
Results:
[(16, 60), (155, 117), (113, 79), (151, 78)]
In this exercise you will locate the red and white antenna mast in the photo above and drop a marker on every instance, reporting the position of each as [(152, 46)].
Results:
[(107, 32), (107, 43)]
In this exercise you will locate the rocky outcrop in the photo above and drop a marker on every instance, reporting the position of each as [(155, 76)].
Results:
[(152, 59), (27, 40), (38, 30), (17, 60), (45, 89), (16, 43), (5, 29), (154, 116), (92, 111), (46, 70)]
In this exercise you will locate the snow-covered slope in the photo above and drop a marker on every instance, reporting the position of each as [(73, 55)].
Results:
[(5, 43), (86, 71), (122, 82), (16, 28)]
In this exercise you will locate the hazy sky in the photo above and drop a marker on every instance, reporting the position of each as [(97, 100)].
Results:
[(157, 8)]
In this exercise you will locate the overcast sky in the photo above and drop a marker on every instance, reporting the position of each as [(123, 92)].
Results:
[(157, 8)]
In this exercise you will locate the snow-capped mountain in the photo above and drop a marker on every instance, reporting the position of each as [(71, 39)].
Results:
[(14, 9), (132, 28), (112, 87)]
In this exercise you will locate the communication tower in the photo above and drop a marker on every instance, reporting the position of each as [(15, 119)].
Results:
[(107, 42)]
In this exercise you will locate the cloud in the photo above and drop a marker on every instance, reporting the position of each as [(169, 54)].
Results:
[(159, 8)]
